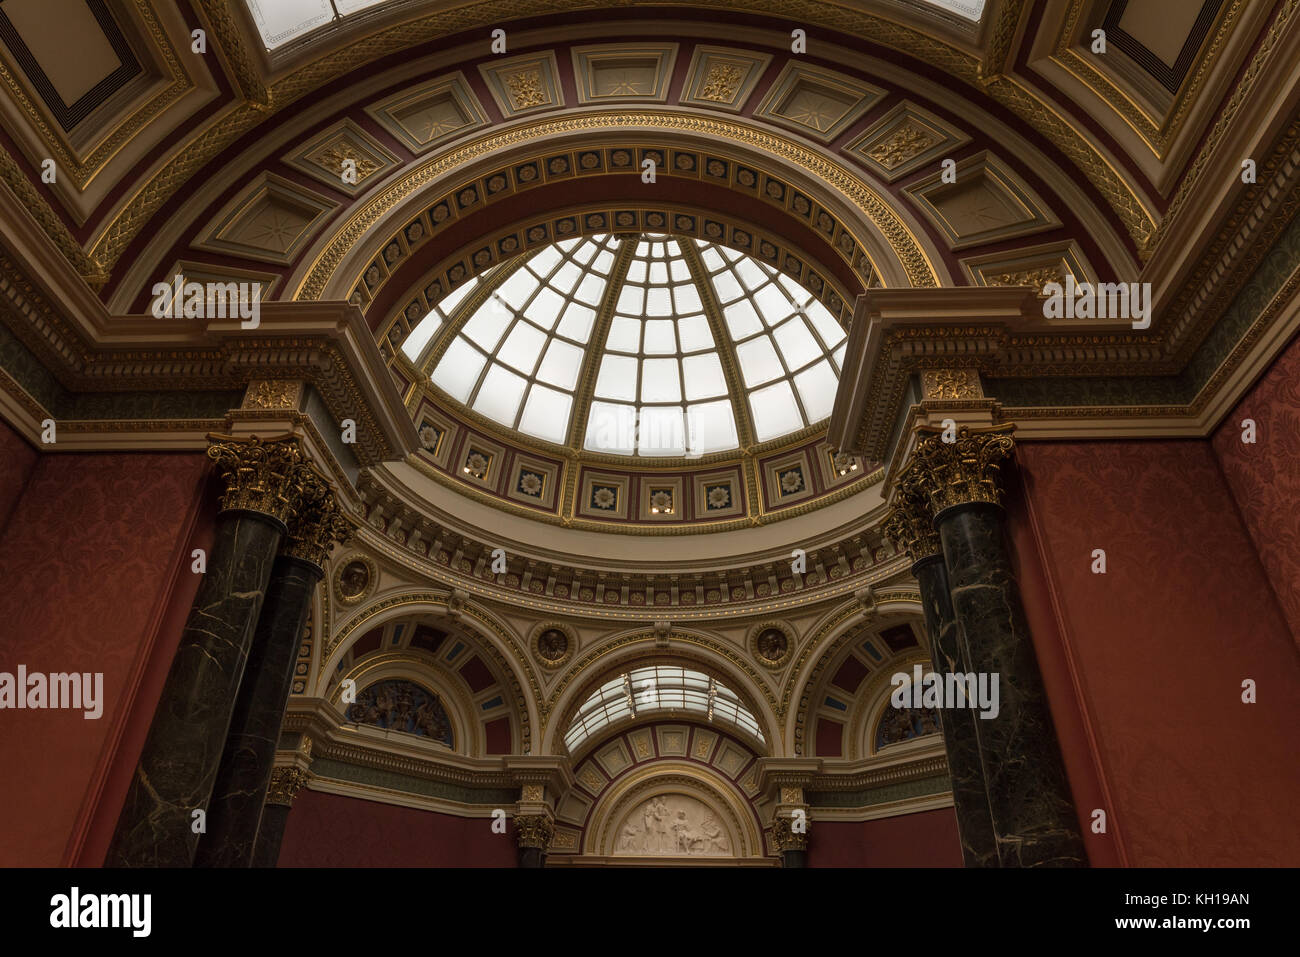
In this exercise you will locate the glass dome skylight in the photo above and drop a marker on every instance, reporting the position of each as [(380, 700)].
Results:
[(698, 348), (659, 688)]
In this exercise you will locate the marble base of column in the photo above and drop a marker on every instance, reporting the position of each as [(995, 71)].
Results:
[(969, 798), (242, 780), (531, 857), (270, 832), (183, 750), (1031, 806)]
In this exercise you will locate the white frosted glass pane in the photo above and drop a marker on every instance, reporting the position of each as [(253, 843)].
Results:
[(659, 338), (817, 390), (545, 309), (453, 299), (611, 428), (832, 332), (658, 274), (566, 278), (673, 248), (704, 378), (687, 299), (796, 291), (711, 258), (659, 303), (694, 333), (587, 250), (775, 412), (636, 271), (797, 345), (522, 347), (517, 288), (458, 369), (488, 324), (543, 262), (750, 273), (546, 414), (568, 244), (421, 335), (732, 254), (577, 321), (758, 361), (617, 378), (590, 289), (726, 286), (742, 320), (279, 21), (660, 381), (561, 365), (679, 270), (603, 262), (631, 300), (772, 304), (624, 335), (662, 432), (642, 249), (499, 395)]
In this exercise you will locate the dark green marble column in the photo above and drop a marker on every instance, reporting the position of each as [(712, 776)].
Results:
[(178, 765), (285, 784), (910, 526), (245, 771), (969, 798), (1033, 813)]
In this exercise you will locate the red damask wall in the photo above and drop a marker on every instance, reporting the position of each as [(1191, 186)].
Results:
[(1144, 664), (924, 839), (328, 830), (1264, 476), (95, 563)]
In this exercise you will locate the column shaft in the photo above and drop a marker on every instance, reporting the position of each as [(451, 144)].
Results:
[(1029, 797), (183, 750), (245, 771), (270, 832), (970, 800)]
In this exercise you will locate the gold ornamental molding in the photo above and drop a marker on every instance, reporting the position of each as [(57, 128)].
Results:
[(534, 831), (363, 48), (910, 525), (869, 203), (1157, 134)]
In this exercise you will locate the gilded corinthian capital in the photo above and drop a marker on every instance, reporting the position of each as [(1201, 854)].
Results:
[(261, 475), (285, 784), (786, 838), (319, 523), (910, 524), (959, 472), (534, 830)]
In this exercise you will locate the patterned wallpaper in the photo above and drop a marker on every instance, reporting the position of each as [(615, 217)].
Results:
[(1264, 475), (1161, 644)]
